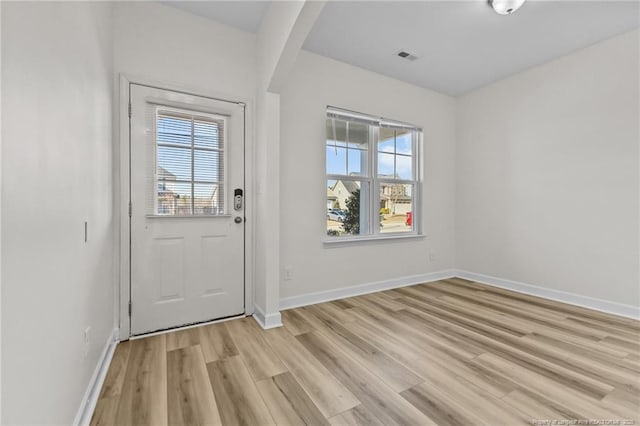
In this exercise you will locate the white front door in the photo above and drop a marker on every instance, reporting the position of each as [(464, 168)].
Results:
[(187, 208)]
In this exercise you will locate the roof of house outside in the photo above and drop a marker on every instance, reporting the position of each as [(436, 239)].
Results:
[(350, 185), (165, 174)]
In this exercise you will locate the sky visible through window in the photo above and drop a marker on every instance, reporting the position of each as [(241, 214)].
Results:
[(337, 164)]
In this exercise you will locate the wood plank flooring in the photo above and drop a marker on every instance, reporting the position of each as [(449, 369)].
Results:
[(452, 352)]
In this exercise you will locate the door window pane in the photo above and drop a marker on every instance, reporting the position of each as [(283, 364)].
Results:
[(208, 199), (208, 135), (189, 171), (208, 166), (174, 199), (173, 163), (174, 130)]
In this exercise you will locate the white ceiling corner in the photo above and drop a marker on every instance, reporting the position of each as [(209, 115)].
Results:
[(240, 14)]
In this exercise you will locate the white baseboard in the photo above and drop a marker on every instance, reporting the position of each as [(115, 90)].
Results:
[(620, 309), (90, 399), (341, 293), (267, 321)]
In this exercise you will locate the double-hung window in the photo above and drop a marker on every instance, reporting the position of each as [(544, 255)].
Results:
[(372, 173)]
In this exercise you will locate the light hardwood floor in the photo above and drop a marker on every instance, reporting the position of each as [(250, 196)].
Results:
[(451, 352)]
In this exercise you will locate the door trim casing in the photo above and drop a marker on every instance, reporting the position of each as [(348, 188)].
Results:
[(122, 194)]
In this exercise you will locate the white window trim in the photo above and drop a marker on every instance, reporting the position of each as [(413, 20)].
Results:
[(374, 182), (359, 240)]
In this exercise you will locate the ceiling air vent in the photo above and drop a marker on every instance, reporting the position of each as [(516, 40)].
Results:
[(406, 55)]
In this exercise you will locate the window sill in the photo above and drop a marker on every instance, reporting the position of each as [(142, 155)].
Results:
[(355, 241)]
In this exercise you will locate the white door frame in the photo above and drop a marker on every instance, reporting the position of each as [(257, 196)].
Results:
[(122, 195)]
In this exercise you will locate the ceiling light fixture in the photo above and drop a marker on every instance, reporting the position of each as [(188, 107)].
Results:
[(506, 7)]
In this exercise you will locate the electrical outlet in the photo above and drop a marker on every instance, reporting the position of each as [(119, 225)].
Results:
[(288, 273)]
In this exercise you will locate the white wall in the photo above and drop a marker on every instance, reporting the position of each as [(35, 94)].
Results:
[(56, 174), (547, 175), (314, 83), (163, 43), (282, 31), (267, 235)]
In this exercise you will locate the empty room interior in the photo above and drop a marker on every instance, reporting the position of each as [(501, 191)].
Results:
[(320, 212)]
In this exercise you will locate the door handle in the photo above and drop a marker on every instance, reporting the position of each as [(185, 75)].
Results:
[(237, 219)]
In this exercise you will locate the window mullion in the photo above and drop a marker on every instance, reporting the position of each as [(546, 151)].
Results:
[(346, 150), (374, 187), (395, 152), (373, 149), (416, 145), (193, 195), (155, 162)]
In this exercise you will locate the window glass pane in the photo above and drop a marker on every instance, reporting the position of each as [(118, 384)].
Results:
[(174, 198), (395, 150), (173, 130), (208, 166), (353, 136), (208, 199), (386, 140), (403, 167), (385, 165), (207, 135), (357, 162), (357, 135), (336, 130), (347, 208), (396, 207), (403, 144), (173, 163), (336, 160)]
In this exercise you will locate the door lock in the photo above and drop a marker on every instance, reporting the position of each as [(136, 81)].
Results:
[(237, 199)]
